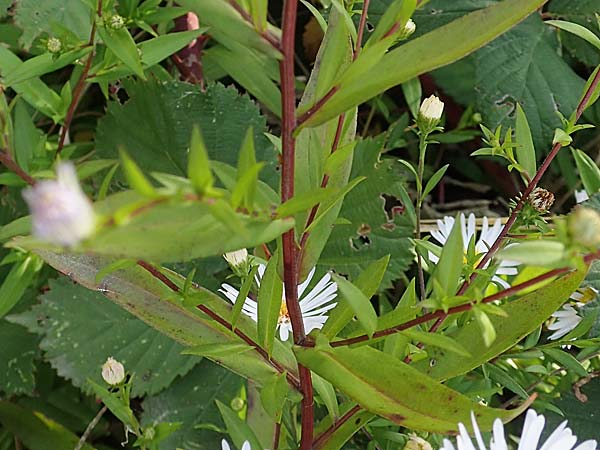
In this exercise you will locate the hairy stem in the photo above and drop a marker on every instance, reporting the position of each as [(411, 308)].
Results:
[(80, 86), (420, 171)]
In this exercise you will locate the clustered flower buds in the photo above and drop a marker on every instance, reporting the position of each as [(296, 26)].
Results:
[(584, 226), (408, 30), (541, 199), (60, 212), (54, 45), (113, 371), (116, 22), (430, 114)]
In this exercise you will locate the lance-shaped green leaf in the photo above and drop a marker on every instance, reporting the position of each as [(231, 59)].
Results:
[(523, 316), (368, 282), (392, 389), (199, 166), (239, 430), (242, 295), (588, 170), (149, 299), (359, 303), (525, 149), (449, 267), (17, 281), (116, 406), (434, 180), (436, 340), (269, 304), (343, 432), (432, 50), (123, 46), (135, 177), (273, 395), (577, 30), (34, 91), (227, 24)]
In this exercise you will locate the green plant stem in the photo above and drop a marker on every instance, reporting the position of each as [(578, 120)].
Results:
[(90, 427), (81, 84), (420, 171), (11, 165), (436, 315)]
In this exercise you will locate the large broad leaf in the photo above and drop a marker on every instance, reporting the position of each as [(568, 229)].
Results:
[(392, 389), (583, 13), (523, 66), (191, 400), (377, 225), (81, 328), (36, 431), (155, 127), (581, 412), (438, 48), (37, 18), (523, 316), (136, 290), (17, 352)]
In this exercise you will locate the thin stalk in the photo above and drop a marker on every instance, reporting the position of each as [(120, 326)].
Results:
[(322, 438), (12, 165), (90, 428), (80, 86), (290, 248), (420, 172)]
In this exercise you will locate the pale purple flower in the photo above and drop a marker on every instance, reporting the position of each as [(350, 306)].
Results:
[(60, 212)]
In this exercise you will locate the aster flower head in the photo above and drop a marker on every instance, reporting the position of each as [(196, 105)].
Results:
[(430, 114), (567, 318), (113, 371), (562, 438), (60, 212), (313, 305), (487, 237), (225, 445)]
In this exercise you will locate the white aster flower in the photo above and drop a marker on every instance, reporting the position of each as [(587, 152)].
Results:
[(562, 438), (113, 371), (313, 306), (60, 211), (487, 237), (567, 318), (237, 258), (225, 445)]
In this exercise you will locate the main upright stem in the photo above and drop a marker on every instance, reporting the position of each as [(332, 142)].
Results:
[(290, 248)]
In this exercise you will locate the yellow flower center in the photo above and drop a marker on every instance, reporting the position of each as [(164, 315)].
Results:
[(284, 316)]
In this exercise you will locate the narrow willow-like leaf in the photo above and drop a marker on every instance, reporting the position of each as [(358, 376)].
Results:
[(525, 151), (217, 350), (115, 405), (501, 376), (432, 50), (16, 282), (327, 394), (524, 315), (566, 360), (392, 389), (243, 294), (269, 304), (577, 30), (434, 180), (368, 282), (588, 170), (303, 202), (135, 177), (359, 303), (412, 94), (237, 428), (273, 395), (123, 46), (436, 340), (449, 267)]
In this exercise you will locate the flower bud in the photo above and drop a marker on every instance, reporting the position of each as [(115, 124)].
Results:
[(113, 371), (430, 114), (417, 443), (584, 227), (237, 258), (54, 45), (116, 22), (541, 199), (408, 30), (60, 212)]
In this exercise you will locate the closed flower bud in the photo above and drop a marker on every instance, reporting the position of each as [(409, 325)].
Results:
[(541, 199), (432, 108), (60, 212), (54, 45), (408, 30), (584, 227), (417, 443), (237, 258), (113, 371), (116, 22)]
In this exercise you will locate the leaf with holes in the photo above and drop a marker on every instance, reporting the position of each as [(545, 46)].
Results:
[(156, 123), (378, 226)]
